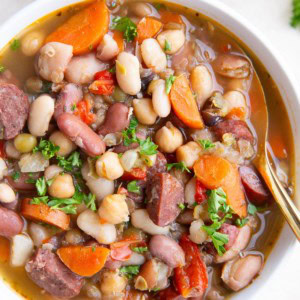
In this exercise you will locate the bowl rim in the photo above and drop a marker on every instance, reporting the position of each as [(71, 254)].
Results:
[(258, 43)]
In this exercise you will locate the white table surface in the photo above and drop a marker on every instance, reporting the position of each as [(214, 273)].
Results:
[(272, 18)]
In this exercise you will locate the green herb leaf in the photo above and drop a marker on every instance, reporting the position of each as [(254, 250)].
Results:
[(169, 82), (93, 249), (90, 201), (47, 148), (73, 107), (241, 222), (252, 210), (73, 161), (112, 69), (15, 45), (179, 166), (133, 187), (167, 46), (40, 200), (41, 186), (139, 249), (147, 147), (2, 69), (16, 176), (126, 26), (130, 271), (181, 206), (295, 20), (47, 87), (206, 144)]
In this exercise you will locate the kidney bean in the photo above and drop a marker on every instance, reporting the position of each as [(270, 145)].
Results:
[(11, 223), (81, 134)]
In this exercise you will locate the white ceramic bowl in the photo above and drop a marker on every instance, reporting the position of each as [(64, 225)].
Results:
[(271, 60)]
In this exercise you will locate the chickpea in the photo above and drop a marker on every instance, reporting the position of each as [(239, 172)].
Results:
[(32, 42), (144, 111), (109, 166), (114, 209), (168, 138), (3, 168), (25, 142), (62, 187), (34, 85), (74, 237), (197, 234), (66, 146), (175, 39), (52, 171), (11, 150), (7, 194), (112, 283), (153, 55), (188, 153)]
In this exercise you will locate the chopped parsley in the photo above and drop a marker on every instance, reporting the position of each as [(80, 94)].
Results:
[(252, 210), (130, 271), (112, 69), (90, 201), (2, 69), (147, 147), (125, 25), (241, 222), (41, 186), (47, 148), (47, 87), (179, 166), (181, 206), (73, 107), (206, 144), (295, 20), (15, 45), (16, 176), (93, 249), (167, 46), (169, 82), (139, 249), (133, 187), (68, 164)]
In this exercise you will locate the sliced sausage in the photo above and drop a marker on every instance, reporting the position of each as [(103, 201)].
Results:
[(47, 271), (116, 120), (231, 231), (14, 109), (167, 250), (256, 191), (69, 96), (160, 166), (238, 128), (81, 134), (11, 223), (164, 194)]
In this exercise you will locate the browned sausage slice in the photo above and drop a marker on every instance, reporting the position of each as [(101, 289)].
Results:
[(14, 108), (164, 194), (238, 128), (81, 134), (11, 223), (160, 166), (256, 191), (49, 273)]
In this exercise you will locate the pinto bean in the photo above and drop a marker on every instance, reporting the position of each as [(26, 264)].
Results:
[(167, 250), (117, 119), (239, 273), (81, 134), (11, 223), (186, 217)]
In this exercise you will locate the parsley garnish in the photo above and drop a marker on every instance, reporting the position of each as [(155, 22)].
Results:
[(252, 209), (41, 186), (133, 187), (206, 144), (16, 176), (241, 222), (126, 26), (112, 69), (2, 69), (295, 20), (40, 200), (47, 87), (181, 206), (139, 249), (93, 249), (147, 147), (89, 201), (15, 45), (130, 271), (73, 107), (47, 148), (179, 166), (167, 46), (169, 82), (68, 164)]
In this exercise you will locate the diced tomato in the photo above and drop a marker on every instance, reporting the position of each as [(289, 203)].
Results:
[(135, 174), (200, 195), (169, 294), (104, 83), (2, 150), (83, 110), (191, 280)]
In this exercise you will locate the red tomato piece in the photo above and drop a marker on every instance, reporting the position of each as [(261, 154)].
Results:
[(191, 280), (83, 111), (104, 83), (200, 195), (135, 174)]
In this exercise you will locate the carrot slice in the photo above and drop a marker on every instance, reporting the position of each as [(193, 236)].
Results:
[(43, 213), (147, 28), (85, 30), (184, 104), (214, 172), (4, 249), (237, 113), (170, 17), (84, 260), (119, 38)]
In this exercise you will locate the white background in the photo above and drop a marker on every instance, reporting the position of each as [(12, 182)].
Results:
[(272, 18)]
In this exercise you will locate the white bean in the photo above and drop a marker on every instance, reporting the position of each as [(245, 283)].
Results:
[(62, 186), (135, 259), (53, 60), (129, 159), (32, 42), (81, 69), (175, 39), (7, 194), (160, 99), (11, 150), (144, 112), (52, 171), (107, 49), (236, 99), (89, 222), (140, 219), (141, 9), (21, 250), (197, 234), (153, 55), (66, 146), (189, 192), (202, 83), (188, 153), (128, 73), (40, 114), (3, 168), (38, 233), (109, 166)]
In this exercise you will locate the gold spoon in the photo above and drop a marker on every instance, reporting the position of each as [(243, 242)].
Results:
[(260, 120)]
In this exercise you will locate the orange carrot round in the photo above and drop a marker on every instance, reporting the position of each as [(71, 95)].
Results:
[(85, 30), (147, 28), (83, 260), (43, 213), (184, 104)]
